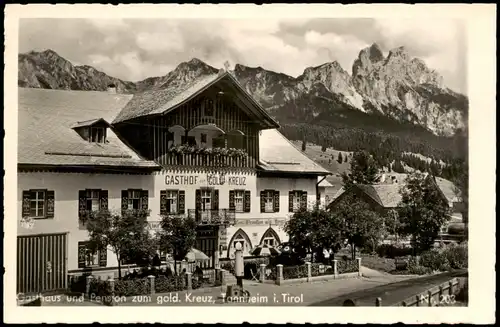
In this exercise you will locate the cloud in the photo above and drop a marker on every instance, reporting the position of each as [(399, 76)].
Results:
[(134, 49)]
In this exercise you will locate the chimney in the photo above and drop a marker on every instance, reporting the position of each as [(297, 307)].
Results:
[(112, 88)]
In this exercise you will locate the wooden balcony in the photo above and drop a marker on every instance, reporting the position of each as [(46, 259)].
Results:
[(213, 217)]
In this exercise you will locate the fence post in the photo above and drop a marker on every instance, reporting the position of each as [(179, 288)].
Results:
[(189, 281), (378, 302), (217, 275), (279, 274), (111, 282), (359, 267), (451, 287), (309, 272), (222, 277), (88, 280), (429, 295), (262, 276), (335, 268), (152, 284), (418, 300)]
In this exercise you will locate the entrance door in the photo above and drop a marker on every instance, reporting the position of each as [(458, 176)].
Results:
[(206, 242), (41, 263)]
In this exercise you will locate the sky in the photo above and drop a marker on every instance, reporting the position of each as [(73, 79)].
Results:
[(134, 49)]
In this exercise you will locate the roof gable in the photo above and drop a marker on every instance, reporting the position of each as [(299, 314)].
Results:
[(165, 100)]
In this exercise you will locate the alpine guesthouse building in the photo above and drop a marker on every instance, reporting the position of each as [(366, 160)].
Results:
[(204, 149)]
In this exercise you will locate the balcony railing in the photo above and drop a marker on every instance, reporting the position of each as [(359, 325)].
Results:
[(213, 217), (197, 159)]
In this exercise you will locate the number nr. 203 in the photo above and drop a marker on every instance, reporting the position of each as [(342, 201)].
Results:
[(446, 299)]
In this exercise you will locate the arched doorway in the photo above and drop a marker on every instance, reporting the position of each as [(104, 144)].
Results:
[(270, 238), (242, 238), (206, 135)]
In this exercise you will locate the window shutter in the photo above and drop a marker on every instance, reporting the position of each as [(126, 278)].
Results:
[(124, 201), (182, 202), (262, 201), (290, 201), (215, 198), (276, 201), (163, 203), (26, 203), (82, 251), (50, 204), (144, 199), (231, 201), (82, 204), (303, 200), (103, 199), (198, 200), (103, 257), (246, 201)]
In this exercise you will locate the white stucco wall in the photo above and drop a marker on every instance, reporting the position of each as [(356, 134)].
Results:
[(66, 187)]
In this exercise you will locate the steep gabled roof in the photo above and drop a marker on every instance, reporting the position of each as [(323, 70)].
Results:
[(278, 154), (162, 101), (46, 135)]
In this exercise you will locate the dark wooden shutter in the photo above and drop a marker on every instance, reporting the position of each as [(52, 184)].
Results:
[(303, 200), (50, 204), (198, 200), (231, 200), (82, 204), (163, 203), (246, 201), (103, 257), (82, 251), (124, 201), (103, 199), (290, 201), (262, 201), (144, 199), (26, 203), (181, 209), (215, 199), (276, 201)]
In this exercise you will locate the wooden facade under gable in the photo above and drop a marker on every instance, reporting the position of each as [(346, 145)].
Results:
[(214, 109)]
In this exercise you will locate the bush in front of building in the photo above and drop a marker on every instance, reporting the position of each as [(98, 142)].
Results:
[(132, 287), (393, 251), (347, 266), (164, 284), (99, 288), (445, 259)]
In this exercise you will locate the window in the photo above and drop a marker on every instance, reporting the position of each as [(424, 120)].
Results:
[(93, 200), (91, 258), (134, 200), (268, 201), (203, 138), (296, 200), (172, 197), (239, 200), (206, 199), (88, 258), (37, 204), (97, 134), (270, 241), (296, 197)]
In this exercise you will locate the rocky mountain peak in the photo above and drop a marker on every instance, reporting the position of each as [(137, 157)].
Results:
[(367, 58)]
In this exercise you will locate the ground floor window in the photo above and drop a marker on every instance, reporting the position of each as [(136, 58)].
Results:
[(88, 257)]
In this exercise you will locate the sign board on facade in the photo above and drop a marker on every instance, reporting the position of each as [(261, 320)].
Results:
[(217, 179), (271, 221)]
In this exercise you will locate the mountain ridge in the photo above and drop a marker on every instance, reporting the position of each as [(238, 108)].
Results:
[(396, 86)]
